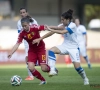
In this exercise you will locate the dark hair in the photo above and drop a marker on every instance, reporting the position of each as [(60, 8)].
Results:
[(30, 18), (23, 8), (25, 19), (68, 14)]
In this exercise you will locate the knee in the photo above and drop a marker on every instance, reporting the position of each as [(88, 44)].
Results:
[(31, 68), (52, 49), (44, 69)]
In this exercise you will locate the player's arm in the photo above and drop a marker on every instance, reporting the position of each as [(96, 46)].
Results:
[(46, 35), (58, 31), (15, 47), (13, 50), (43, 37), (85, 36), (84, 32), (18, 27), (57, 27)]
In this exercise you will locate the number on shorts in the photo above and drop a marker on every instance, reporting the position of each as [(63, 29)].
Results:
[(43, 57)]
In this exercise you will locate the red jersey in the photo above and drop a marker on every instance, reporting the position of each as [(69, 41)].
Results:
[(31, 35)]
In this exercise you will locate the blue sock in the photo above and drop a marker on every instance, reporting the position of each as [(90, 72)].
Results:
[(51, 55), (51, 60), (79, 69)]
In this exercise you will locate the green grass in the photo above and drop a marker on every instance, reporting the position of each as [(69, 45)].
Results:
[(67, 79)]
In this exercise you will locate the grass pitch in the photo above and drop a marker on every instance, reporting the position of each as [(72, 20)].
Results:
[(67, 79)]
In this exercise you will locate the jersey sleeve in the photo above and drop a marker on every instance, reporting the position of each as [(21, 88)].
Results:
[(38, 27), (71, 27), (18, 26), (20, 38), (60, 25), (83, 29)]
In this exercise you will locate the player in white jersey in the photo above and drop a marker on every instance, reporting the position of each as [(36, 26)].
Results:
[(69, 46), (82, 40), (24, 13)]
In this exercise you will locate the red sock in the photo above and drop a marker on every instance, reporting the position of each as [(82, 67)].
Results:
[(37, 75)]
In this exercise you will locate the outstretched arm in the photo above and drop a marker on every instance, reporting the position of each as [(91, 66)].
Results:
[(85, 36), (48, 34), (41, 38), (63, 31), (57, 27), (13, 50)]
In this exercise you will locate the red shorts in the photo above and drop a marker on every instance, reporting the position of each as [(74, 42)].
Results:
[(39, 56)]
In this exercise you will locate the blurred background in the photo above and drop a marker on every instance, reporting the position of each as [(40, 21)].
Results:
[(48, 12)]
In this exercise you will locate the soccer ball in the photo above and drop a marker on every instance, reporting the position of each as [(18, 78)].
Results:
[(16, 80)]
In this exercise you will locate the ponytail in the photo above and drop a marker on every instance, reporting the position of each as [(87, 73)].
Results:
[(30, 18)]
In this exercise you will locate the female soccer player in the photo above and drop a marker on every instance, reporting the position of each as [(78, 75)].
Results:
[(35, 53), (82, 40), (24, 13), (69, 45)]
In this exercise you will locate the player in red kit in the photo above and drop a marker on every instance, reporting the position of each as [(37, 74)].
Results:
[(35, 52)]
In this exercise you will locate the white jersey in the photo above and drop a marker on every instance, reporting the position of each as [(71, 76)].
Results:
[(70, 44), (81, 31), (70, 38)]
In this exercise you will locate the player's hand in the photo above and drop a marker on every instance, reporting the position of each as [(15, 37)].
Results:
[(45, 27), (9, 56), (36, 41), (48, 28)]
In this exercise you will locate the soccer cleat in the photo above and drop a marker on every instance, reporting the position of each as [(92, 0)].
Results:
[(86, 81), (89, 66), (56, 70), (43, 82), (29, 78), (52, 73)]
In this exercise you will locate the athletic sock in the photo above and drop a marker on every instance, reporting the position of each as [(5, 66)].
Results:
[(37, 74), (51, 60), (81, 72), (29, 73)]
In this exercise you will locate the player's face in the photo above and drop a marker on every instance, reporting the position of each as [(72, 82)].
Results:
[(64, 21), (25, 26), (23, 13), (77, 22)]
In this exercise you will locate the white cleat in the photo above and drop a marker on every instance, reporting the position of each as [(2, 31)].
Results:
[(86, 81), (52, 73), (43, 82)]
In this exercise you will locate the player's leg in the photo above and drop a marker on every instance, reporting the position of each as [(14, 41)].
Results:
[(87, 60), (42, 60), (85, 56), (30, 76), (32, 59), (74, 55), (52, 60)]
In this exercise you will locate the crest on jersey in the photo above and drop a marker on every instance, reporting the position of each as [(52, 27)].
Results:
[(29, 36)]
